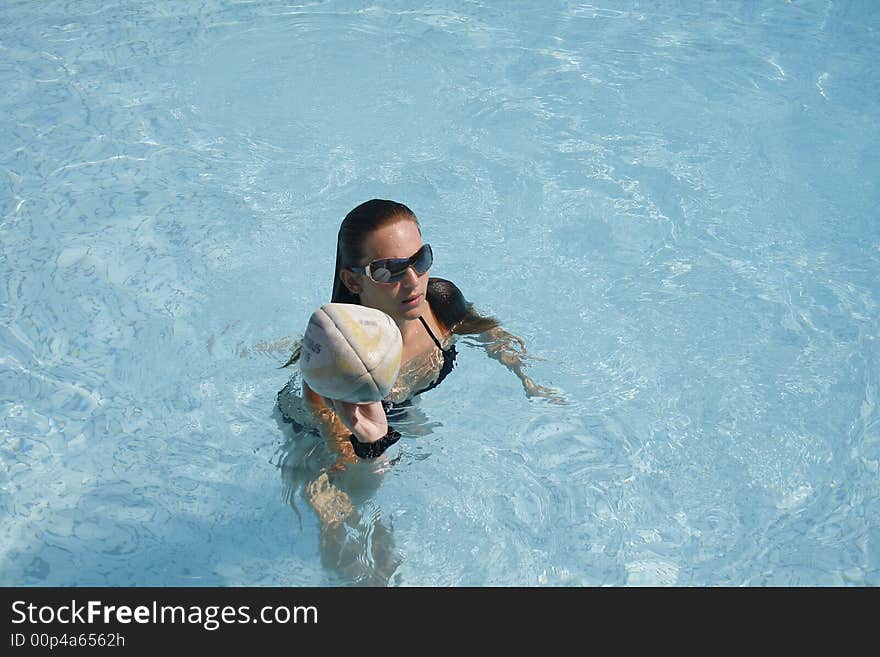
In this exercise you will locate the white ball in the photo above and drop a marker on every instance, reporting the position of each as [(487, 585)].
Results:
[(351, 353)]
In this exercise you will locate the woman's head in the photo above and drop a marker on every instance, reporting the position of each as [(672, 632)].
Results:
[(378, 230)]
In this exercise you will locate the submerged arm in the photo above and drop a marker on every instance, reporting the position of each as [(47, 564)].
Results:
[(510, 351), (454, 311)]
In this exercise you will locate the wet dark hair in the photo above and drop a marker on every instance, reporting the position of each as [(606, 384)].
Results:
[(454, 311), (447, 301)]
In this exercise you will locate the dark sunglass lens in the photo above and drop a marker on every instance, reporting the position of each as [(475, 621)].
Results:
[(397, 270), (392, 270), (423, 259), (380, 274)]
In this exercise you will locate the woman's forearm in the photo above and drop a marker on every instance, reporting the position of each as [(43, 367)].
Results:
[(510, 351), (338, 419)]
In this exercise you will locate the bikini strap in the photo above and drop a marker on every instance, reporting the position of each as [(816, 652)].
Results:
[(428, 329)]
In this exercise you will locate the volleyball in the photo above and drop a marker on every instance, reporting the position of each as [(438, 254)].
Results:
[(351, 353)]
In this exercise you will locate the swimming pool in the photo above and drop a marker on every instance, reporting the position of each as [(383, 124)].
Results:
[(673, 204)]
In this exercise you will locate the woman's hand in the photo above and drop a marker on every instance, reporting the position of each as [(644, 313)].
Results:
[(553, 395), (366, 421)]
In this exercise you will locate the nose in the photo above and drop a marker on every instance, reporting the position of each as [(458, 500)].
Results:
[(411, 277)]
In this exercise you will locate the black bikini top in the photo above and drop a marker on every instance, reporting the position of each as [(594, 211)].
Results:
[(392, 409), (448, 358)]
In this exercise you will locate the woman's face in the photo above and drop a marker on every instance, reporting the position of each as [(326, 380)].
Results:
[(405, 299)]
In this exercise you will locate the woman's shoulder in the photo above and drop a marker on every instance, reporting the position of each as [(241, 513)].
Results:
[(447, 302), (453, 310), (442, 287)]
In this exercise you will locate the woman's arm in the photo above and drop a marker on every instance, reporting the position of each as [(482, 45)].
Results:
[(510, 351), (459, 316), (366, 421)]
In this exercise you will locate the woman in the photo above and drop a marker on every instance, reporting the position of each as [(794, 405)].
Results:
[(381, 262)]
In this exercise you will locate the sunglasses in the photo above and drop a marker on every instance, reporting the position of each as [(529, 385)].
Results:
[(392, 270)]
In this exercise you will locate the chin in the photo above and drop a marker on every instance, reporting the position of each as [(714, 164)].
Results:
[(413, 313)]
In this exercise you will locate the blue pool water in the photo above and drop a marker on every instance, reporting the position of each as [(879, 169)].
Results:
[(673, 204)]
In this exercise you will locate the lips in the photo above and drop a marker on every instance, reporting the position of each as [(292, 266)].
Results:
[(413, 300)]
